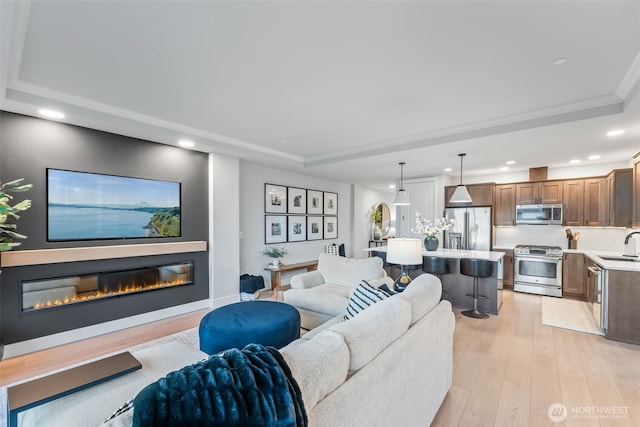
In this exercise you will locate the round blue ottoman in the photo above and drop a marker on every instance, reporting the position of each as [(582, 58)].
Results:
[(236, 325)]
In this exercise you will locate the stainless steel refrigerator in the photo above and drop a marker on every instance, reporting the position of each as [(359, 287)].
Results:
[(472, 229)]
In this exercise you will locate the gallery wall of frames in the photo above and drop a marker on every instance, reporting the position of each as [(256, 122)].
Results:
[(293, 214)]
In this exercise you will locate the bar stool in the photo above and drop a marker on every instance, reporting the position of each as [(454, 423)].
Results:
[(436, 266), (476, 268)]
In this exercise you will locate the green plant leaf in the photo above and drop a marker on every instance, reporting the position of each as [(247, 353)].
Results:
[(8, 246), (14, 235)]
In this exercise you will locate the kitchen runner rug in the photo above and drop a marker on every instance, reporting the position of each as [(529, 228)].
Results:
[(569, 314)]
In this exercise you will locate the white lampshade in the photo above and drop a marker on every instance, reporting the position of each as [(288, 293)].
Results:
[(461, 195), (404, 251), (402, 199)]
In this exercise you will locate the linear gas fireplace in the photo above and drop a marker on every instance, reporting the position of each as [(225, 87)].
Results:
[(56, 292), (46, 292)]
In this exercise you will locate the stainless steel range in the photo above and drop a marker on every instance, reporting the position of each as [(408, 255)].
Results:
[(538, 269)]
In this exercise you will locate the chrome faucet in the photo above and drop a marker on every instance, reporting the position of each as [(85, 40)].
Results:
[(626, 239)]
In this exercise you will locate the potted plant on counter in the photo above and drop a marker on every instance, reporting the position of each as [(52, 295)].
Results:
[(275, 253), (431, 229)]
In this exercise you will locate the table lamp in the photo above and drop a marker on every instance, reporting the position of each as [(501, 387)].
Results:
[(404, 252)]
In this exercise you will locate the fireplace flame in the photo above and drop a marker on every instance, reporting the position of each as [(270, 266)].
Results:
[(122, 290)]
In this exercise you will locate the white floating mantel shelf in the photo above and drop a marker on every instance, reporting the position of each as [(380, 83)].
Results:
[(92, 253)]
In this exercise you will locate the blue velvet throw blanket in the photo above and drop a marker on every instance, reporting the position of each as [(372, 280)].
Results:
[(248, 387)]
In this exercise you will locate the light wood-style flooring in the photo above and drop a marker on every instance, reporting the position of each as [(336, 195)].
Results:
[(508, 369), (33, 364)]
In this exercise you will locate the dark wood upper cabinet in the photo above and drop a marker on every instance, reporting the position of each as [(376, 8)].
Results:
[(527, 193), (573, 195), (619, 197), (595, 203), (531, 193), (481, 195), (505, 204), (613, 200), (551, 192)]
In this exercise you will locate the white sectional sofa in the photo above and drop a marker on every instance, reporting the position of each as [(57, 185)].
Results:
[(322, 294), (390, 365)]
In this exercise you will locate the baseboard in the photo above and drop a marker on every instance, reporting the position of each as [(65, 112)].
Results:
[(42, 343)]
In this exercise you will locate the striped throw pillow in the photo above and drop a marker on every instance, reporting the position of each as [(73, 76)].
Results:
[(364, 296)]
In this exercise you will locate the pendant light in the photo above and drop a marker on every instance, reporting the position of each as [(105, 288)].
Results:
[(461, 195), (402, 199)]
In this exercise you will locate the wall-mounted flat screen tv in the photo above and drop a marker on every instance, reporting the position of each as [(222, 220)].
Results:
[(90, 206)]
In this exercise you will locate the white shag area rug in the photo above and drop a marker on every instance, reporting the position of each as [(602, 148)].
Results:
[(569, 314), (190, 337)]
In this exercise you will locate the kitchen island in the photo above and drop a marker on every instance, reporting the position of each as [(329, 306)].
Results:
[(456, 286), (613, 290)]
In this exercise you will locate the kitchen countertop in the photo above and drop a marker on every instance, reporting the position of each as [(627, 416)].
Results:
[(608, 264), (454, 253)]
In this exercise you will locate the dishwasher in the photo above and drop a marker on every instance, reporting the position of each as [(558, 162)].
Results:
[(597, 293)]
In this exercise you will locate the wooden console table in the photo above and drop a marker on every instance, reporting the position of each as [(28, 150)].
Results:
[(276, 273)]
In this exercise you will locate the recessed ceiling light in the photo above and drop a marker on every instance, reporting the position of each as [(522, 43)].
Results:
[(392, 186), (283, 141), (510, 162), (51, 114), (559, 61), (186, 143), (574, 161), (594, 157), (448, 169), (615, 132)]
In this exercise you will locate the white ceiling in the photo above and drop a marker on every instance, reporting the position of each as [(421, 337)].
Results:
[(343, 90)]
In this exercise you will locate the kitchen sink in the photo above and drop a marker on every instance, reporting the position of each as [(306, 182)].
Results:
[(619, 258)]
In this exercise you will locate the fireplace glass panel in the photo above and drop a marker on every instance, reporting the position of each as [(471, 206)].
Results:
[(47, 293)]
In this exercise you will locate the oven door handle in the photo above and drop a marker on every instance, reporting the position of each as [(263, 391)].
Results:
[(538, 258)]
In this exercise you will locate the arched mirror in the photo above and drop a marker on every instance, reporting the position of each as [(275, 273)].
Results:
[(381, 221)]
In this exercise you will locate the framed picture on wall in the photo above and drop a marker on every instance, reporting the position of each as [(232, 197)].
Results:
[(297, 228), (275, 198), (330, 203), (275, 229), (297, 200), (330, 227), (314, 227), (314, 202)]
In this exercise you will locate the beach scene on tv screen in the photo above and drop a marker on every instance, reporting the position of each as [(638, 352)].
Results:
[(87, 206)]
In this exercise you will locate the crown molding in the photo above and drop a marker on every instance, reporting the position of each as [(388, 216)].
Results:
[(25, 98), (81, 110), (565, 113)]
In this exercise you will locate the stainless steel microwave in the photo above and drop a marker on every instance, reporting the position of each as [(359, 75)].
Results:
[(539, 214)]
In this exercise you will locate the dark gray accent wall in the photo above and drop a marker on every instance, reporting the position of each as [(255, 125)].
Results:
[(18, 326), (28, 146)]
